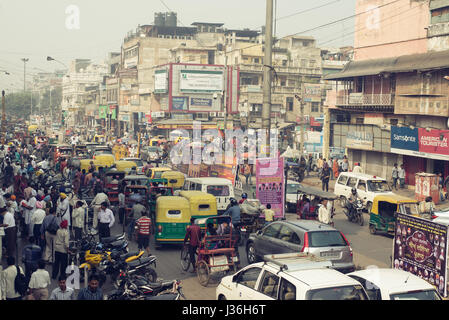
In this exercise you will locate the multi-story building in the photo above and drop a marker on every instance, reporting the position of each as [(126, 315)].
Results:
[(394, 108)]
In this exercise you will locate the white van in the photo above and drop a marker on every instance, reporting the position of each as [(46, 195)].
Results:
[(367, 186), (221, 188)]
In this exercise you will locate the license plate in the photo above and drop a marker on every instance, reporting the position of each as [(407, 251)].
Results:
[(330, 254)]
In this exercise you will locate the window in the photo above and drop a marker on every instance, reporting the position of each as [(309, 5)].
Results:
[(337, 293), (362, 186), (203, 207), (371, 289), (272, 230), (270, 285), (318, 239), (289, 104), (248, 278), (287, 291), (256, 60), (218, 191), (394, 122), (352, 182), (378, 186), (285, 234), (342, 180), (174, 212), (360, 121), (315, 107), (416, 295), (284, 63)]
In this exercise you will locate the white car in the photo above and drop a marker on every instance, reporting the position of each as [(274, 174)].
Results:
[(367, 186), (394, 284), (292, 195), (298, 276)]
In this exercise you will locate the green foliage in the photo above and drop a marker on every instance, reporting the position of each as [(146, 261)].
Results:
[(18, 104)]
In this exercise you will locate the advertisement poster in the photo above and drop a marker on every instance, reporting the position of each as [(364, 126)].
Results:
[(433, 141), (160, 81), (201, 81), (179, 103), (420, 247), (270, 184), (360, 140)]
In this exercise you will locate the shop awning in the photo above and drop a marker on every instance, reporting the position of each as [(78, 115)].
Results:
[(422, 62)]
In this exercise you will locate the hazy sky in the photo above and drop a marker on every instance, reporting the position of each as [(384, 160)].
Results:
[(35, 29)]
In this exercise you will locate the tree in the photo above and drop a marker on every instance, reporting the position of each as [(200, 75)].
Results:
[(56, 99), (18, 105)]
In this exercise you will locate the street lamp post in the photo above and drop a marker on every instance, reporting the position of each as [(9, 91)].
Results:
[(25, 60)]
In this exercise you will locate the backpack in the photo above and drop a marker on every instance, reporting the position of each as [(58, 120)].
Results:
[(21, 283), (53, 227)]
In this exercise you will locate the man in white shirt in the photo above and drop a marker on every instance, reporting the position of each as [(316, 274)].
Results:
[(63, 208), (96, 204), (78, 218), (62, 292), (39, 282), (9, 225), (7, 278), (401, 176), (36, 220), (357, 168), (323, 213), (29, 206), (105, 221)]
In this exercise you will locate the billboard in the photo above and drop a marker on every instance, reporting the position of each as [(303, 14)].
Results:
[(360, 140), (270, 184), (179, 103), (160, 81), (201, 81), (420, 247)]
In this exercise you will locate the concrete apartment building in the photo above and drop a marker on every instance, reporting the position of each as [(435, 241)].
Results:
[(392, 100)]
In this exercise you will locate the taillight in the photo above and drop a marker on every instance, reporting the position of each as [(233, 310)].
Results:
[(434, 217), (306, 243), (347, 242)]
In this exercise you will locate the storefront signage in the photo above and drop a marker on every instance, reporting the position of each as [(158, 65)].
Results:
[(420, 247), (433, 144), (201, 81), (179, 103), (160, 81), (360, 140), (103, 112)]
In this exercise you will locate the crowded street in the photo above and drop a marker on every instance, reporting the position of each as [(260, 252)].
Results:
[(245, 153)]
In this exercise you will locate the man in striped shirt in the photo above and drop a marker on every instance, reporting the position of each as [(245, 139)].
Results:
[(143, 226)]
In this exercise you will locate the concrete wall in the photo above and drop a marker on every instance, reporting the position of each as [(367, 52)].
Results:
[(390, 30)]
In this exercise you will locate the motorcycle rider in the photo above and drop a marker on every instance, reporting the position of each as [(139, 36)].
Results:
[(234, 213), (352, 201)]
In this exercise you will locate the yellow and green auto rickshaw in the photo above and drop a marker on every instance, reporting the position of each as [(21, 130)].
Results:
[(171, 221), (85, 164), (156, 173), (384, 209), (202, 204), (125, 166), (175, 179), (105, 160)]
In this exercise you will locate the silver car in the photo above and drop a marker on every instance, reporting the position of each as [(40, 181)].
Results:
[(302, 236)]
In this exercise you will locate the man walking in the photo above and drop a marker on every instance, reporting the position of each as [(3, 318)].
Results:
[(325, 176), (401, 176), (96, 203), (395, 176), (193, 235), (105, 221), (7, 278), (9, 225), (62, 292), (78, 219), (39, 282), (49, 227), (61, 250), (143, 225)]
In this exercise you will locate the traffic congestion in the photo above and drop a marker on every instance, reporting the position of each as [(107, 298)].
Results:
[(93, 217)]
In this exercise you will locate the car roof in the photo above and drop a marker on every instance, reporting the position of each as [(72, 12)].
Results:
[(361, 175), (292, 182), (316, 278), (211, 181), (308, 225), (393, 280)]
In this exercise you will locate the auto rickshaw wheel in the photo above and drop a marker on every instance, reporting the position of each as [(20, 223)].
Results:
[(203, 273), (185, 258), (372, 229)]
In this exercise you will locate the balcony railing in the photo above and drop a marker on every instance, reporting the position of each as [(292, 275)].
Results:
[(361, 99)]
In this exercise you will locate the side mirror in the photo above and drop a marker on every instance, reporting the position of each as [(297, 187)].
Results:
[(235, 278)]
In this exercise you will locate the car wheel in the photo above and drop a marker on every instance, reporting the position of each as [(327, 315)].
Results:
[(221, 297), (251, 253)]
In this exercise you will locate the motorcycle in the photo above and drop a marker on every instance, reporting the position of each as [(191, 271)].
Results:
[(139, 288), (354, 212)]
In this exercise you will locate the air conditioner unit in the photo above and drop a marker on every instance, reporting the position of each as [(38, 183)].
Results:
[(220, 114), (202, 116), (213, 114)]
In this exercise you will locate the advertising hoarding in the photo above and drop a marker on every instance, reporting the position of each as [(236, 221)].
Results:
[(420, 247), (160, 81), (270, 186), (201, 81)]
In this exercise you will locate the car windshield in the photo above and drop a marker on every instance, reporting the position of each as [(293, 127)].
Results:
[(378, 186), (326, 239), (355, 292), (153, 149), (416, 295), (293, 188)]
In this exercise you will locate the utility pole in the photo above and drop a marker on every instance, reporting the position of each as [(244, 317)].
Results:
[(3, 112), (225, 95), (266, 109), (301, 106), (25, 60)]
